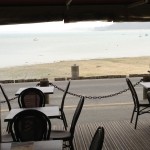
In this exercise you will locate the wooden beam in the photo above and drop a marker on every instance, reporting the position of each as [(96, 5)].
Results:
[(33, 14)]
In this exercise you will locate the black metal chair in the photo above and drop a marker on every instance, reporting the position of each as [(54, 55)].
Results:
[(68, 135), (7, 101), (31, 97), (98, 139), (6, 97), (61, 107), (30, 125), (139, 108)]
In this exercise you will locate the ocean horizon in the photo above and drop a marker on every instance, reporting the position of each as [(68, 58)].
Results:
[(36, 48)]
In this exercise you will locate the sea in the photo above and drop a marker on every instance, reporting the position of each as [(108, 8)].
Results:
[(18, 49)]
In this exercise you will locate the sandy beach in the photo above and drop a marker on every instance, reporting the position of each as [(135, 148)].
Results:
[(92, 67)]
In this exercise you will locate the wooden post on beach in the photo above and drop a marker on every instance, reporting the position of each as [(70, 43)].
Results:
[(75, 71)]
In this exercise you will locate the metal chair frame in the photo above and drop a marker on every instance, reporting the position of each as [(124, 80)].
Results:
[(34, 91), (98, 139), (139, 108), (61, 107), (68, 135), (30, 125), (7, 101)]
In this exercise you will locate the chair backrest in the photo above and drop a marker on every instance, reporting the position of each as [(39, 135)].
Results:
[(98, 139), (31, 97), (76, 116), (64, 96), (133, 92), (6, 97), (30, 125)]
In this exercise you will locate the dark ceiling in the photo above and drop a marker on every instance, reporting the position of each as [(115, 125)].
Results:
[(32, 11)]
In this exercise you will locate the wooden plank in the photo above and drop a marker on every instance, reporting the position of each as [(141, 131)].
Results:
[(119, 135)]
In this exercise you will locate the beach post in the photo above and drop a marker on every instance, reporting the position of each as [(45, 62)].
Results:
[(75, 71), (43, 83)]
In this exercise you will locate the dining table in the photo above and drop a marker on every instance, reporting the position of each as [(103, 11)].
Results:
[(145, 84), (49, 111), (33, 145), (45, 90), (146, 87)]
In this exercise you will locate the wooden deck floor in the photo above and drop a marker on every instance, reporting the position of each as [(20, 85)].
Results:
[(119, 135)]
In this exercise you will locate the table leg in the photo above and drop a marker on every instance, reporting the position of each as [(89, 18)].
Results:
[(145, 93)]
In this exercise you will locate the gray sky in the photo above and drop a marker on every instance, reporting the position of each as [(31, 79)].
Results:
[(52, 27)]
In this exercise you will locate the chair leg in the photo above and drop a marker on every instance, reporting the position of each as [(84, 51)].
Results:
[(71, 145), (136, 118), (7, 129), (64, 120), (68, 145), (132, 114)]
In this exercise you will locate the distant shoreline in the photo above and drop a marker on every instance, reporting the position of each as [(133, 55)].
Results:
[(87, 68)]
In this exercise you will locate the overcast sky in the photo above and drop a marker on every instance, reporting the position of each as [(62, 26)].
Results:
[(52, 27)]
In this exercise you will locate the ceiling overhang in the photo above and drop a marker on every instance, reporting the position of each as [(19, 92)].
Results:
[(31, 11)]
